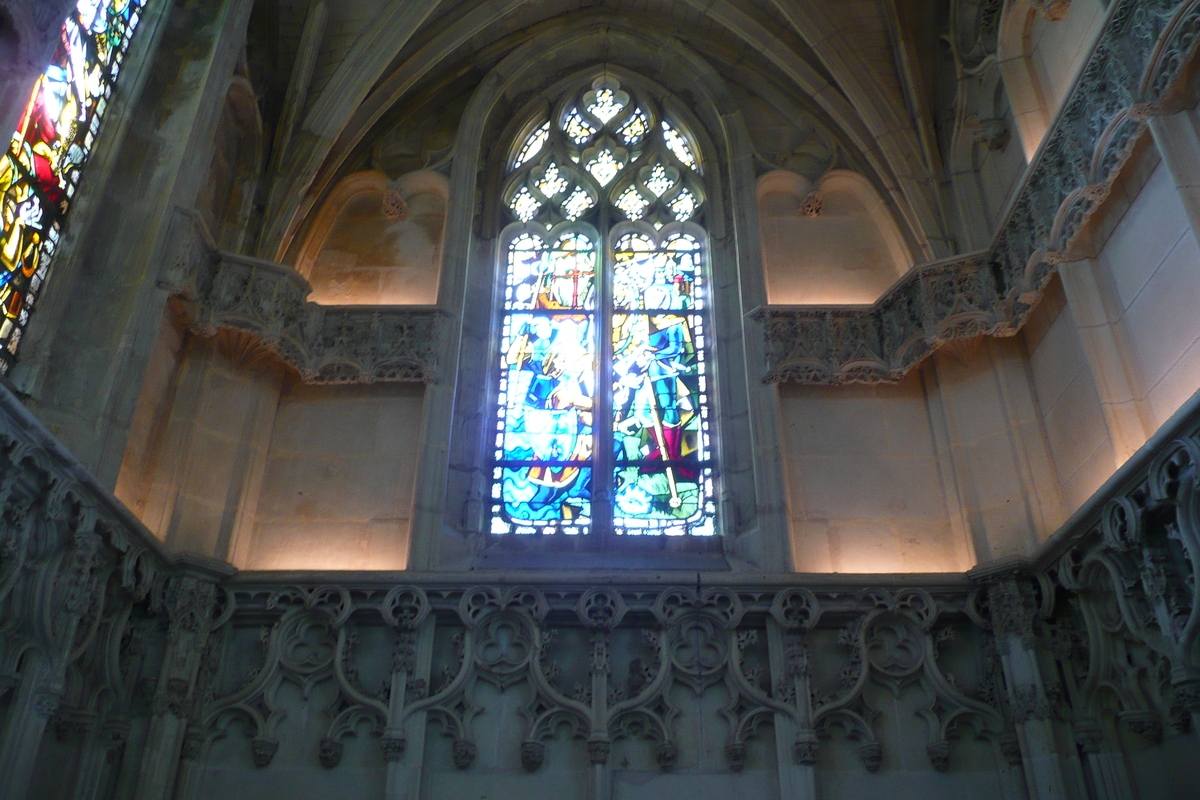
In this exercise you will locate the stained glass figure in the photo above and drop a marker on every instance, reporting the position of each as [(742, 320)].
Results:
[(653, 454), (40, 172), (544, 438), (662, 481)]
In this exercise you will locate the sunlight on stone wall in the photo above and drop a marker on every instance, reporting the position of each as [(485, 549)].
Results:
[(832, 242), (338, 488), (378, 243), (864, 481)]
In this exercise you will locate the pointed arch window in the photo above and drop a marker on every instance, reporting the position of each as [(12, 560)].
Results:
[(603, 415), (40, 171)]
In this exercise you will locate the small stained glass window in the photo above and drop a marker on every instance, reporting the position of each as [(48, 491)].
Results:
[(660, 181), (683, 206), (525, 205), (605, 166), (552, 181), (632, 204), (578, 129), (577, 204), (533, 145), (623, 444), (635, 129), (678, 145)]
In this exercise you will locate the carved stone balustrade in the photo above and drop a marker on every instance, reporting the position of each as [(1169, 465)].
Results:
[(326, 344), (1034, 673)]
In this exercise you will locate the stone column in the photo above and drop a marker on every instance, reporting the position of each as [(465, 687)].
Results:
[(36, 701), (191, 603), (1105, 765), (1105, 352), (795, 740), (1013, 610), (404, 738)]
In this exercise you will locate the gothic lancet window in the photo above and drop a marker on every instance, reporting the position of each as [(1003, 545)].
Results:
[(603, 423), (40, 172)]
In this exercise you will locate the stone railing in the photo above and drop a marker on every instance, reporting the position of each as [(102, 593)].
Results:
[(951, 299), (1079, 666), (326, 344), (1134, 72)]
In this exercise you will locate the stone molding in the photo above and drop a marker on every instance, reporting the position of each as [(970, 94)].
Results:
[(1133, 73), (325, 344)]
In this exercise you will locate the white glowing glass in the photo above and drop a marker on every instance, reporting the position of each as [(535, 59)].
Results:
[(683, 205), (632, 204), (605, 166), (635, 129), (552, 181), (678, 145), (577, 204), (606, 105), (578, 129), (533, 145), (659, 181), (525, 205)]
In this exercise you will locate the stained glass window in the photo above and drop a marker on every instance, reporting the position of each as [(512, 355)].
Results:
[(40, 172), (603, 387)]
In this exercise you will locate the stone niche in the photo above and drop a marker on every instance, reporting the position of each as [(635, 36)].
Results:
[(830, 242), (377, 241)]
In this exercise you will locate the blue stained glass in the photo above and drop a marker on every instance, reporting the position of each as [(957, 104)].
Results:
[(655, 388), (544, 435)]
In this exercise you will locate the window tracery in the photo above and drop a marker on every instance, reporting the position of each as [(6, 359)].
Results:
[(40, 172), (603, 420)]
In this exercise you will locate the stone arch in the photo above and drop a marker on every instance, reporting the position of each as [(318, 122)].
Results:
[(1042, 46), (378, 242), (832, 242), (457, 424)]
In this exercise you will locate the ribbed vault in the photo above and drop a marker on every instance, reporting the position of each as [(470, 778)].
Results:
[(832, 70)]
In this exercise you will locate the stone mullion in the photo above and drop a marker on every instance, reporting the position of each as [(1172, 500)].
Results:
[(599, 741), (37, 698), (191, 604), (795, 739), (1104, 763), (1012, 626), (95, 763), (404, 739)]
